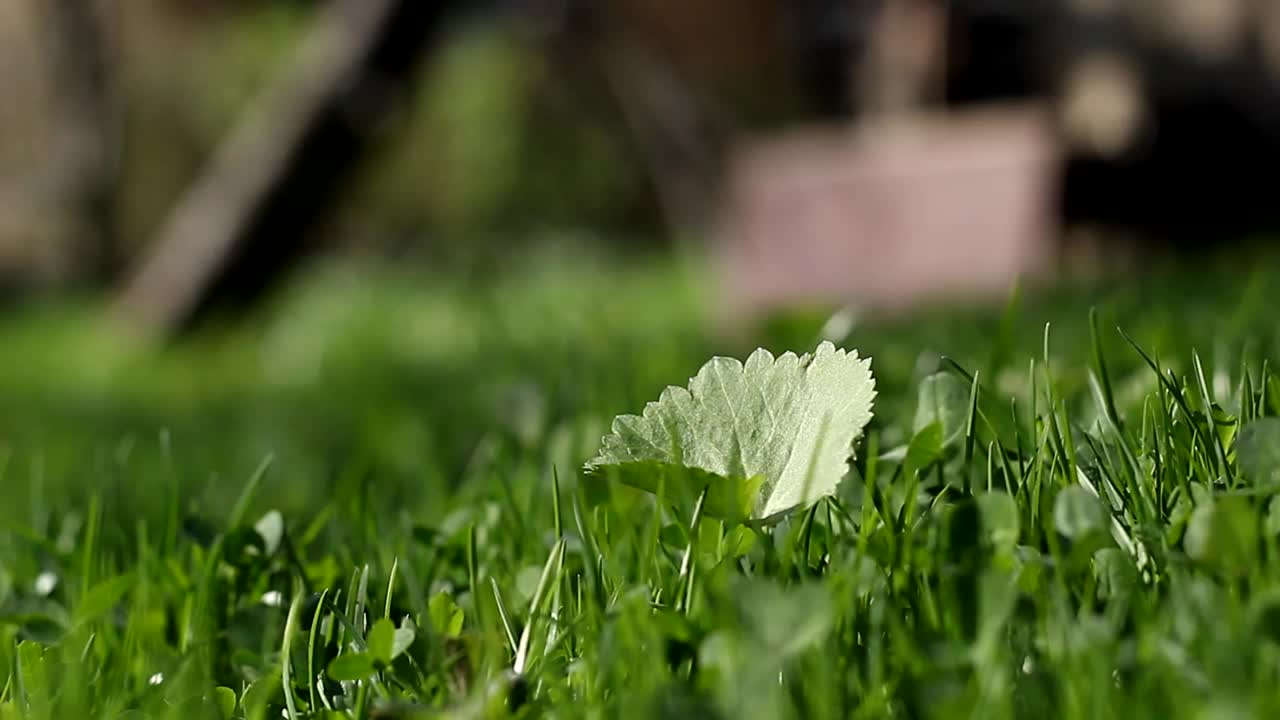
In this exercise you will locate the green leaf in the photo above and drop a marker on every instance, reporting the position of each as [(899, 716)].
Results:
[(262, 696), (943, 398), (226, 699), (785, 424), (925, 448), (785, 621), (446, 616), (1078, 513), (271, 529), (404, 637), (673, 535), (739, 541), (1223, 535), (350, 667), (1271, 523), (33, 664), (381, 641), (1000, 520), (1116, 574), (730, 499), (102, 597), (1258, 449)]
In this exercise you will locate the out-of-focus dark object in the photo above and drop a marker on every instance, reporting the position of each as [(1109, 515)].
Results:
[(247, 217), (1162, 113), (82, 161), (1164, 108), (55, 198), (1168, 109)]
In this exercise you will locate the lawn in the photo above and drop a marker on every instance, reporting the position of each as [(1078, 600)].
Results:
[(368, 500)]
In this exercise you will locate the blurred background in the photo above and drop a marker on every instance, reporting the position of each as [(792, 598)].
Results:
[(332, 213), (188, 154)]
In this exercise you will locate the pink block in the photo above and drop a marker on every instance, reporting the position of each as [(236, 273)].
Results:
[(886, 216)]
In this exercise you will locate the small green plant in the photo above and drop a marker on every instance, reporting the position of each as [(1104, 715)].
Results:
[(762, 438)]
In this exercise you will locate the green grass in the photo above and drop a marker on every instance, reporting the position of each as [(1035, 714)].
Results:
[(377, 486)]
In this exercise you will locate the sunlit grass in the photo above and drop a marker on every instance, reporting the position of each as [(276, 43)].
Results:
[(368, 503)]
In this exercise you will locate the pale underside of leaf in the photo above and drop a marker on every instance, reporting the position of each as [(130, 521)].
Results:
[(784, 427)]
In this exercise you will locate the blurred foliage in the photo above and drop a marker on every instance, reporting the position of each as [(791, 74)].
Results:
[(423, 376), (186, 76), (495, 140), (420, 421), (413, 379)]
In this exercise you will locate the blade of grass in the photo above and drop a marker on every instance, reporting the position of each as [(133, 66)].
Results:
[(684, 582), (541, 596), (1206, 397), (286, 656), (504, 618), (312, 635), (391, 587), (241, 507)]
